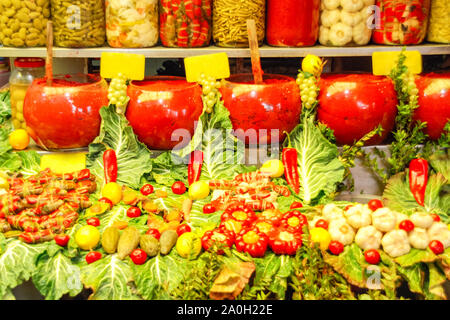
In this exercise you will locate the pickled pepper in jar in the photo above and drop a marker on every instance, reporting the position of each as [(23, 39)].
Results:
[(292, 23), (185, 23)]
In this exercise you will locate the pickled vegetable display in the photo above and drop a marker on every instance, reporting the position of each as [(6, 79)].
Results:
[(132, 23), (402, 22), (439, 27), (344, 23), (23, 22), (230, 21), (78, 23), (185, 23)]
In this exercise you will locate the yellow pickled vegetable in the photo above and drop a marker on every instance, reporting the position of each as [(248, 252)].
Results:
[(439, 26)]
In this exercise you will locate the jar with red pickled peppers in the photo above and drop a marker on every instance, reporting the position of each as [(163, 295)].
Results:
[(185, 23), (292, 23), (402, 22)]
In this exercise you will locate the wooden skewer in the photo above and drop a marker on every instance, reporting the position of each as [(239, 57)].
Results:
[(49, 60), (254, 52)]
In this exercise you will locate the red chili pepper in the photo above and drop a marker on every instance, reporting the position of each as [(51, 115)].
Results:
[(83, 174), (195, 166), (418, 178), (289, 158), (285, 242), (110, 165), (296, 205), (220, 236), (252, 241)]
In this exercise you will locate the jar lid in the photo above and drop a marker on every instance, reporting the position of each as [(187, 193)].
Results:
[(29, 62)]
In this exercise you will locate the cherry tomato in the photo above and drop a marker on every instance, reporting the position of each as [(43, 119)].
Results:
[(209, 208), (375, 204), (372, 256), (435, 217), (147, 189), (133, 212), (182, 228), (154, 232), (106, 200), (93, 256), (296, 205), (178, 187), (436, 246), (62, 239), (348, 207), (94, 221), (336, 247), (406, 225), (138, 256), (321, 223)]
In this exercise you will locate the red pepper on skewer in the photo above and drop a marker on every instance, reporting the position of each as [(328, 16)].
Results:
[(289, 158), (110, 165), (418, 178), (195, 166)]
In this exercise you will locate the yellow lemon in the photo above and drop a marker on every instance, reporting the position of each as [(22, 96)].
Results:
[(112, 191), (198, 190), (312, 64), (188, 245), (87, 237), (19, 139), (273, 167)]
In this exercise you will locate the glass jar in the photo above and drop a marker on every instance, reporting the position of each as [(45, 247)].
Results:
[(25, 71), (66, 114), (24, 23), (292, 23), (78, 23), (132, 23), (439, 27), (261, 113), (230, 21), (164, 99), (185, 23), (402, 22), (345, 23)]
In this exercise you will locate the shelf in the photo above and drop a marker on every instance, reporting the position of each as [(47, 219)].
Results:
[(265, 51)]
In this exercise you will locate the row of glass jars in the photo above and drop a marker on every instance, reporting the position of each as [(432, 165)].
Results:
[(191, 23)]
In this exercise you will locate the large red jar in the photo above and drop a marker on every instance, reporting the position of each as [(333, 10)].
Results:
[(353, 105), (163, 111), (66, 114), (260, 113), (292, 23), (434, 102)]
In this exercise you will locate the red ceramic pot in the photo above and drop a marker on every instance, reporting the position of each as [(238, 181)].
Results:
[(353, 105), (434, 102), (66, 114), (163, 111), (261, 112)]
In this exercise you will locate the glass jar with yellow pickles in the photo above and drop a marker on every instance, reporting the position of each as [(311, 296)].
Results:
[(23, 22), (230, 21), (25, 71), (438, 26), (78, 23)]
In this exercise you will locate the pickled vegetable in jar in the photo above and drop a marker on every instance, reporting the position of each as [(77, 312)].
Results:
[(185, 23), (25, 71), (439, 27), (132, 23), (23, 22), (230, 21), (78, 23), (402, 22), (292, 23), (345, 22)]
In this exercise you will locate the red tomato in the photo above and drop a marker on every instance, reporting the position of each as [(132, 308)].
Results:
[(353, 105), (406, 225), (93, 256), (435, 217), (62, 239), (434, 105), (182, 228), (321, 223), (372, 256), (106, 200), (147, 189), (336, 247), (296, 205), (178, 187), (138, 256), (436, 246), (94, 221), (154, 232), (209, 208), (375, 204), (133, 212)]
